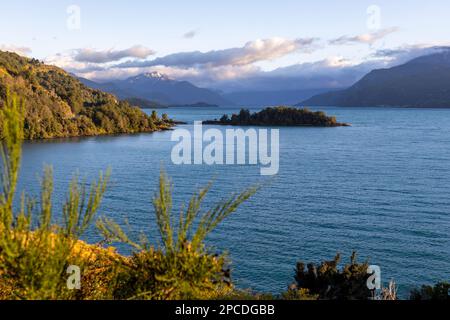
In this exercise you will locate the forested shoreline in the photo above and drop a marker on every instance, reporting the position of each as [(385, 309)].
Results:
[(57, 105)]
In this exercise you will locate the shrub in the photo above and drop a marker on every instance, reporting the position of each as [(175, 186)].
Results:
[(181, 267), (35, 253), (326, 281), (440, 291)]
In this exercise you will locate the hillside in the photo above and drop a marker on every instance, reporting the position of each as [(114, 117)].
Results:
[(145, 104), (59, 105), (159, 88), (422, 82)]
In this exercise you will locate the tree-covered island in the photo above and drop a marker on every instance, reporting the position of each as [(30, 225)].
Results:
[(279, 116)]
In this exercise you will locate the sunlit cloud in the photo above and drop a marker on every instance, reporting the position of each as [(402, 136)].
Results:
[(104, 56), (366, 38), (251, 52), (237, 69), (67, 62), (333, 72), (24, 51), (215, 65), (118, 73)]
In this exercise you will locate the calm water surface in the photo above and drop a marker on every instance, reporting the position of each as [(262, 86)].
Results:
[(380, 187)]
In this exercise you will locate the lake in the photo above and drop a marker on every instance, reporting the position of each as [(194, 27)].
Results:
[(380, 187)]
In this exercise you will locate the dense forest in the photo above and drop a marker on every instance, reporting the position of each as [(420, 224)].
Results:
[(59, 105), (278, 116), (145, 104)]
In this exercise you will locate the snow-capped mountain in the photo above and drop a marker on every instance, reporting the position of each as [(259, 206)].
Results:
[(158, 87)]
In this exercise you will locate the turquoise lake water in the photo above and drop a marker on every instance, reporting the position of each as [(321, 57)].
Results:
[(380, 187)]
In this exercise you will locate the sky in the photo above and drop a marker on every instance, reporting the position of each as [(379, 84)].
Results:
[(212, 43)]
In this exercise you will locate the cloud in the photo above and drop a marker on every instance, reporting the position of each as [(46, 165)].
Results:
[(98, 56), (199, 76), (24, 51), (190, 34), (251, 52), (406, 53), (215, 65), (366, 38), (117, 73), (65, 61), (333, 72), (236, 69)]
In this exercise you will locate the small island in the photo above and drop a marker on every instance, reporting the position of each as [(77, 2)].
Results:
[(279, 116)]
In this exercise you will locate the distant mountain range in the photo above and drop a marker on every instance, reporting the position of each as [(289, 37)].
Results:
[(159, 89), (421, 82), (271, 98)]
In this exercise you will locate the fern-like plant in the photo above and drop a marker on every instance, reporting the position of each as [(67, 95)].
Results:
[(34, 252), (182, 267)]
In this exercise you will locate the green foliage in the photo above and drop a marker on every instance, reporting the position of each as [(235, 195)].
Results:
[(181, 268), (14, 63), (58, 105), (154, 116), (326, 281), (12, 121), (278, 116), (35, 253), (185, 274), (294, 293), (440, 291)]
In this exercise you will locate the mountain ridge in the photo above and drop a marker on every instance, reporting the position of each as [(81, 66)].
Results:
[(159, 88), (273, 98), (421, 82)]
